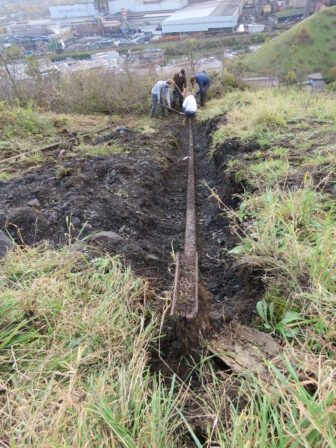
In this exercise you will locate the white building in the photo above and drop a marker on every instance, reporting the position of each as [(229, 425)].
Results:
[(88, 9), (72, 11), (146, 5), (213, 15), (256, 28)]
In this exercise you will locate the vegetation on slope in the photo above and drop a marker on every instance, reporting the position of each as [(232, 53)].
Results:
[(308, 47), (75, 339), (286, 223), (74, 352)]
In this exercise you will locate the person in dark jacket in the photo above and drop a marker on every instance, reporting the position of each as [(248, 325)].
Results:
[(203, 82), (180, 84)]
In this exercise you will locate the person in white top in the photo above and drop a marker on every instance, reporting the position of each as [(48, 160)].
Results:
[(161, 88), (189, 105)]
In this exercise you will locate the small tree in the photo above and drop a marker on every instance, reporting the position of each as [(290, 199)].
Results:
[(291, 77), (190, 46), (331, 74), (10, 77), (32, 69)]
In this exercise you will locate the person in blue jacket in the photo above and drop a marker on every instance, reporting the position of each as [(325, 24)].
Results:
[(203, 82)]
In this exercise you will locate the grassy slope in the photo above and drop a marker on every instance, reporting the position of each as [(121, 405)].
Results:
[(74, 346), (306, 48), (23, 131), (73, 355), (287, 225)]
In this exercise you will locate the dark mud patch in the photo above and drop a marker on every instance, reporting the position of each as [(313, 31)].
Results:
[(140, 197), (235, 288)]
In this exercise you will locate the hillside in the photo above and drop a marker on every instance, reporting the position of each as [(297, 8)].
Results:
[(306, 48), (92, 226)]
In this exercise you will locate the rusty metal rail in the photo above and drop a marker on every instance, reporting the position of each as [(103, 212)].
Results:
[(185, 290)]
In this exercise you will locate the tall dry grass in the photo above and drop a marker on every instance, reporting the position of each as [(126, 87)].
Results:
[(74, 353)]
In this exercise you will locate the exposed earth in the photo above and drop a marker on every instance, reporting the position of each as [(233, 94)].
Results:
[(133, 204)]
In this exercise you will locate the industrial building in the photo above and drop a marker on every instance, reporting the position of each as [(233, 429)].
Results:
[(146, 5), (209, 16), (94, 8), (72, 11)]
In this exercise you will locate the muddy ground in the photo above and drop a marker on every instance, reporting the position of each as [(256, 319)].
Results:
[(140, 197)]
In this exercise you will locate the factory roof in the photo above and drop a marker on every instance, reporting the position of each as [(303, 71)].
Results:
[(201, 10)]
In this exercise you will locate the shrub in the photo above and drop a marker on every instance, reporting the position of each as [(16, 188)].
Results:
[(92, 91), (302, 35), (331, 74), (291, 77), (21, 121)]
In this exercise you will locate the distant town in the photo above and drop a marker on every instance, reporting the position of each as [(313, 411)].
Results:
[(96, 33)]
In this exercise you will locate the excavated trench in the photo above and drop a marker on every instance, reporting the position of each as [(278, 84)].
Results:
[(136, 203)]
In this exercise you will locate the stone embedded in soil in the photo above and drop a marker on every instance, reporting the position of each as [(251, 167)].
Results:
[(150, 257), (2, 219), (5, 244), (108, 237), (34, 203), (76, 221)]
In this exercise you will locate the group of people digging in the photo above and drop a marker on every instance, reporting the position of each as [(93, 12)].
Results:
[(187, 100)]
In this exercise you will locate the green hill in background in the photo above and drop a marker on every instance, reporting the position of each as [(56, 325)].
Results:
[(308, 47)]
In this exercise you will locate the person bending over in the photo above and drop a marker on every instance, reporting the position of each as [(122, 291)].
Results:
[(189, 105), (161, 88), (180, 84), (203, 82)]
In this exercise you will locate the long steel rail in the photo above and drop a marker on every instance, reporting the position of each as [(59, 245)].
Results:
[(185, 289)]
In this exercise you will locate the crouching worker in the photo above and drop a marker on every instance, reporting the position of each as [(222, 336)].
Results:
[(189, 105), (160, 88), (203, 82)]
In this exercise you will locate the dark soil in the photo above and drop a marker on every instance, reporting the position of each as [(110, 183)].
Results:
[(141, 197)]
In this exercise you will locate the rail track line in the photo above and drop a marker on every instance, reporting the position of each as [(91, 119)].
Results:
[(186, 282)]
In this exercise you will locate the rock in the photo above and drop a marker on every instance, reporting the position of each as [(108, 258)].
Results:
[(208, 220), (150, 257), (5, 244), (122, 229), (78, 247), (53, 218), (216, 319), (34, 203), (76, 221), (221, 297), (2, 219), (109, 237), (122, 130)]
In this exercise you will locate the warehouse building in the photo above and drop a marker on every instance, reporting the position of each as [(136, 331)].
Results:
[(89, 9), (146, 5), (72, 11), (209, 16)]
